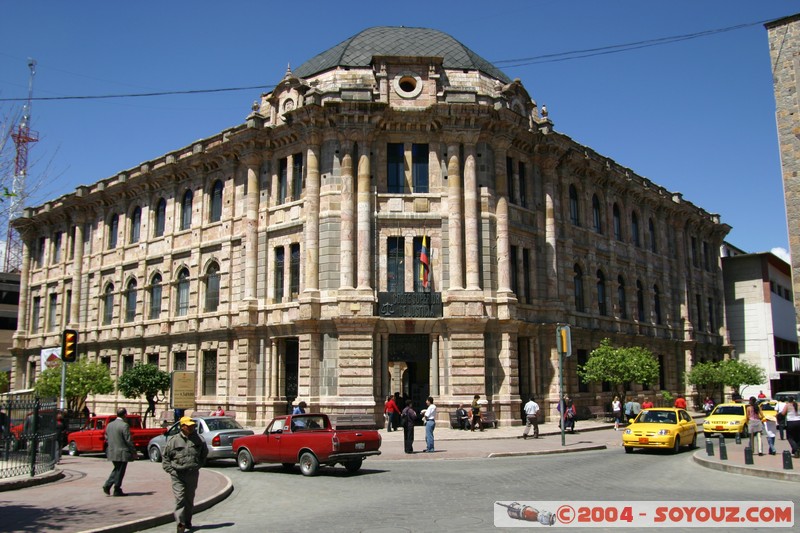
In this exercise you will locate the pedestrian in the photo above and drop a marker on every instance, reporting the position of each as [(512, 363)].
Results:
[(755, 427), (429, 417), (791, 415), (476, 413), (647, 404), (462, 417), (3, 422), (60, 438), (680, 402), (629, 410), (393, 411), (780, 418), (761, 395), (567, 409), (531, 418), (735, 396), (400, 403), (119, 450), (86, 413), (300, 408), (184, 455), (708, 405), (616, 410), (408, 418), (219, 411), (770, 425)]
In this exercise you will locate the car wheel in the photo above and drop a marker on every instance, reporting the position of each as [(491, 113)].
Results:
[(677, 447), (155, 454), (628, 449), (353, 466), (288, 466), (245, 461), (308, 464), (73, 449)]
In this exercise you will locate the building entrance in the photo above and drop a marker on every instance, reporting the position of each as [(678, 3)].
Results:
[(409, 367)]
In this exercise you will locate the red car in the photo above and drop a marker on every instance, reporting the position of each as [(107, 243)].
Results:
[(91, 438), (307, 439)]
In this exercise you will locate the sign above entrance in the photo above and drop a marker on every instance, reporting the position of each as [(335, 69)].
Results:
[(410, 304)]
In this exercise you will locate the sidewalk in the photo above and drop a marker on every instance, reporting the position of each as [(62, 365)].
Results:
[(72, 500)]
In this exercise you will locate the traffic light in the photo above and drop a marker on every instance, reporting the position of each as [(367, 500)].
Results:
[(69, 346)]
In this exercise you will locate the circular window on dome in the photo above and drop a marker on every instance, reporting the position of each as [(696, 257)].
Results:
[(407, 84)]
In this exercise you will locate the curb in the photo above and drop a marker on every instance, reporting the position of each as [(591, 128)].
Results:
[(165, 518), (744, 470), (549, 452), (24, 482)]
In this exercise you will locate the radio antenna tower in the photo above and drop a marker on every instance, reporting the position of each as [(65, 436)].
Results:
[(23, 136)]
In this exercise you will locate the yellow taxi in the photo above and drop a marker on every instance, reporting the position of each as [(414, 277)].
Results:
[(661, 427), (728, 419)]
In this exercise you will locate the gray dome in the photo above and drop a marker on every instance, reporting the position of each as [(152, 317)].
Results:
[(358, 50)]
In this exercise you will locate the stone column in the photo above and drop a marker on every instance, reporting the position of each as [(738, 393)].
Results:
[(347, 210), (455, 221), (252, 161), (311, 235), (501, 190), (290, 177), (364, 207), (471, 218), (548, 164), (273, 369), (386, 379), (434, 375), (24, 316), (73, 320)]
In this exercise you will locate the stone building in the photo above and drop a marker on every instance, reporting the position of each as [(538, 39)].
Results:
[(784, 51), (396, 215)]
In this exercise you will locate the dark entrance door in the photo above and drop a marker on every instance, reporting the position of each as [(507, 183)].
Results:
[(292, 353), (412, 353)]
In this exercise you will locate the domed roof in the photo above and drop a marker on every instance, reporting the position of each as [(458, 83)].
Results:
[(358, 50)]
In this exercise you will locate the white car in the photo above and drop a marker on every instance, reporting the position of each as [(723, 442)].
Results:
[(218, 432)]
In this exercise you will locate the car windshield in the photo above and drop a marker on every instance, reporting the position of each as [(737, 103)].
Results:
[(217, 424), (729, 410), (658, 417)]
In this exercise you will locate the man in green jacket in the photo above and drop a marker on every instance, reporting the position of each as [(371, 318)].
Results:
[(184, 454)]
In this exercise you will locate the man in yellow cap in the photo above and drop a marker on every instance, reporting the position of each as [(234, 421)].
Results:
[(184, 454)]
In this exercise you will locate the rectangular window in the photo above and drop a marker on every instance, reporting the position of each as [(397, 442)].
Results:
[(52, 313), (279, 266), (297, 176), (395, 265), (56, 258), (294, 270), (155, 299), (526, 273), (514, 280), (706, 256), (68, 307), (179, 361), (283, 179), (510, 179), (35, 312), (71, 244), (152, 359), (39, 253), (712, 327), (699, 307), (127, 363), (419, 167), (106, 361), (395, 168), (210, 372), (582, 357), (523, 189), (418, 272), (694, 251)]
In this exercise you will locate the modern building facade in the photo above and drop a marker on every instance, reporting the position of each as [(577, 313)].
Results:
[(760, 314), (396, 215)]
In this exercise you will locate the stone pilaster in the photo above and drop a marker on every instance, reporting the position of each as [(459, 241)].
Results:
[(471, 218), (364, 207), (347, 210), (252, 162), (501, 190), (73, 319), (311, 233), (454, 221)]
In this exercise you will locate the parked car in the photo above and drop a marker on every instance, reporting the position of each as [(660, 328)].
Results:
[(787, 396), (92, 436), (661, 427), (218, 432), (728, 419), (307, 439)]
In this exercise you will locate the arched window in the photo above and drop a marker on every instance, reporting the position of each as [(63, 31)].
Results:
[(216, 202), (601, 293), (212, 288), (155, 297), (578, 283), (597, 215), (130, 301), (136, 224), (161, 218), (635, 229), (186, 210), (657, 303), (639, 301), (617, 223), (574, 212), (651, 228), (182, 304), (108, 304), (623, 304), (113, 230)]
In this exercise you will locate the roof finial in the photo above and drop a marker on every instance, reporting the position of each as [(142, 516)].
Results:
[(288, 71)]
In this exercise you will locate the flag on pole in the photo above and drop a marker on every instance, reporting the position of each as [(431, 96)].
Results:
[(424, 263)]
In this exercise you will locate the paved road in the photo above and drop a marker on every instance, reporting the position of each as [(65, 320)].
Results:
[(458, 494)]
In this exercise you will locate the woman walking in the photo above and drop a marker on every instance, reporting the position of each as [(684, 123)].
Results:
[(754, 424), (792, 418), (616, 408)]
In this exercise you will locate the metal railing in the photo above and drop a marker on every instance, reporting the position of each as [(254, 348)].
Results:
[(29, 443)]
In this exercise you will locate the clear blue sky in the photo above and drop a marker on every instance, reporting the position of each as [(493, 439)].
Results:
[(696, 116)]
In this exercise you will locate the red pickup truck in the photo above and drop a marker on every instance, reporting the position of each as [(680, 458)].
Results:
[(92, 436), (307, 439)]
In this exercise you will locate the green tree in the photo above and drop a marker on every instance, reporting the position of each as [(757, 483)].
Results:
[(144, 380), (3, 381), (83, 378), (619, 365), (736, 373), (707, 377)]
